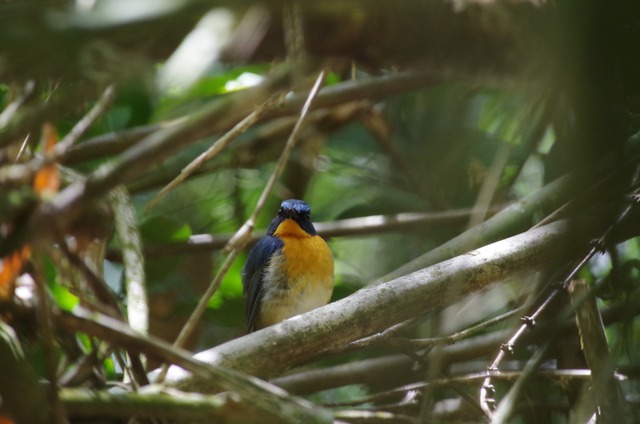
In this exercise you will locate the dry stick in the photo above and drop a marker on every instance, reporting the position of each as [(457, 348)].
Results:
[(101, 106), (345, 227), (487, 390), (387, 335), (217, 147), (609, 397), (471, 378), (507, 404), (243, 233), (129, 234), (12, 108), (240, 238), (369, 371), (360, 416), (374, 88), (374, 309), (43, 313), (489, 186), (455, 337), (26, 170), (134, 276), (258, 393)]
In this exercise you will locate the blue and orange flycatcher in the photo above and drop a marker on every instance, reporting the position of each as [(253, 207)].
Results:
[(289, 271)]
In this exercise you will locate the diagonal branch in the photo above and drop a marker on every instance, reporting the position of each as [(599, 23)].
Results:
[(153, 149), (371, 310), (261, 394)]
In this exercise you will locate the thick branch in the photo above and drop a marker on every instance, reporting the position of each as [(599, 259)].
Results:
[(375, 88), (169, 405), (374, 309), (262, 395), (374, 224)]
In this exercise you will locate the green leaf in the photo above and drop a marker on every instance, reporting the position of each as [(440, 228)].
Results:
[(64, 298)]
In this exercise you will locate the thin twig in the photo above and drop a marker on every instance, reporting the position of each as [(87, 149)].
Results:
[(196, 315), (374, 224), (373, 416), (129, 234), (375, 88), (506, 406), (216, 148), (607, 392), (556, 374), (455, 337), (12, 108), (134, 275), (78, 130), (238, 241), (43, 313), (489, 185), (261, 394), (240, 237)]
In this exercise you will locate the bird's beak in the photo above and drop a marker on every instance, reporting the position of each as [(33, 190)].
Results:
[(290, 214)]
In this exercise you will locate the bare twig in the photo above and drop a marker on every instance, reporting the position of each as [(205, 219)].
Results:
[(489, 185), (43, 313), (240, 238), (374, 224), (516, 217), (453, 338), (609, 397), (507, 404), (12, 108), (129, 234), (57, 214), (374, 309), (561, 375), (216, 148), (134, 275), (78, 130), (261, 394), (375, 88)]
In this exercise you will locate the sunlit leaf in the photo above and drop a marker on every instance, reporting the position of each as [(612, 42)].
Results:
[(64, 298)]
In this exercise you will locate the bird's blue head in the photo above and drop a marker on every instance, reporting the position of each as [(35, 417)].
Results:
[(296, 210)]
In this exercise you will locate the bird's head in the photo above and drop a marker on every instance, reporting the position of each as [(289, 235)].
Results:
[(293, 219)]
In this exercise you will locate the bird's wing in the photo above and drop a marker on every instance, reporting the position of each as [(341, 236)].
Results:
[(253, 273)]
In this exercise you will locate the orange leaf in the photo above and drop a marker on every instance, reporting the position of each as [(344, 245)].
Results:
[(10, 267), (5, 420), (47, 180)]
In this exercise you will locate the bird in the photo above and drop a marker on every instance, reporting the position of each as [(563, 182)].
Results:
[(289, 271)]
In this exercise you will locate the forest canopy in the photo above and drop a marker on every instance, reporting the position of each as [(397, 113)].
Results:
[(472, 165)]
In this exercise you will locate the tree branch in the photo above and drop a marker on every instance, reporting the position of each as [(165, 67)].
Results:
[(374, 88), (262, 395), (371, 310)]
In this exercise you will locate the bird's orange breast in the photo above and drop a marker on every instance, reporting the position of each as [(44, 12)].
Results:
[(307, 262), (306, 255)]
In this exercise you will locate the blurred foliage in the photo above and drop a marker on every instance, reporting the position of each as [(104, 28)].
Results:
[(444, 144)]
